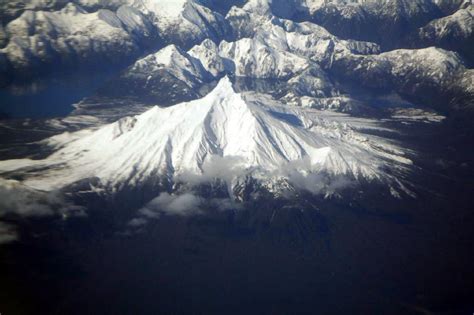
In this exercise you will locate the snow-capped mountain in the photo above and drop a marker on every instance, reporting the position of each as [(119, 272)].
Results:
[(224, 136), (93, 32), (451, 6), (36, 34), (282, 149), (309, 60), (372, 20), (184, 22), (171, 75), (277, 50), (454, 32), (289, 77), (426, 76), (73, 35)]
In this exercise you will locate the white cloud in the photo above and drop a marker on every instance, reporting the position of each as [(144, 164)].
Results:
[(137, 222), (225, 204), (181, 205), (186, 204), (224, 168), (295, 172), (8, 233), (319, 183), (16, 198)]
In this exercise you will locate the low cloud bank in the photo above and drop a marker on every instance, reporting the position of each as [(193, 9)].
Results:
[(8, 233), (183, 205), (15, 198), (19, 200), (225, 168), (320, 184), (301, 174)]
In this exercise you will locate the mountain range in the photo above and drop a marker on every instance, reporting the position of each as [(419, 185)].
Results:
[(288, 95), (236, 157)]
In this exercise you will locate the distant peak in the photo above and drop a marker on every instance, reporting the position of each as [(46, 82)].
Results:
[(72, 9), (166, 8), (225, 86), (170, 49), (169, 54)]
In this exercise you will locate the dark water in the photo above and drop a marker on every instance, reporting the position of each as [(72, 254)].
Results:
[(53, 97)]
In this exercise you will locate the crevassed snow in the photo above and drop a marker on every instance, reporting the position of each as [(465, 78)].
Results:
[(249, 133)]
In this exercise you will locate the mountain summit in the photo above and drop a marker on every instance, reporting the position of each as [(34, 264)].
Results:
[(225, 135)]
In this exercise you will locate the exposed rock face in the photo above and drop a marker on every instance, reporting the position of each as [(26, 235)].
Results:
[(427, 76), (38, 39), (36, 34), (87, 33), (454, 32)]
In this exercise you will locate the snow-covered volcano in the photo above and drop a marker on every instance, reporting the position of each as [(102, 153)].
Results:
[(224, 135)]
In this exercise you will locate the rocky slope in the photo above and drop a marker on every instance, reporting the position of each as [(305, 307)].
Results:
[(431, 76), (84, 33), (37, 40), (305, 66), (35, 35), (373, 20), (453, 32)]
